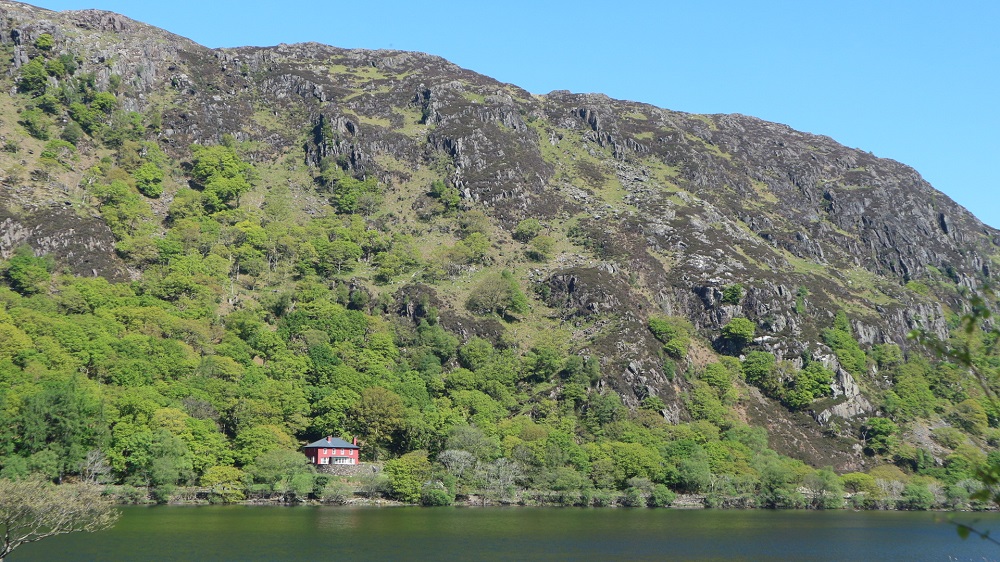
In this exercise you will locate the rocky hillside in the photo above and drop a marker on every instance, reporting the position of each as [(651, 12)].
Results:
[(606, 213)]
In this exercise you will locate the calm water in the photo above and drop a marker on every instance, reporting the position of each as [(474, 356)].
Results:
[(365, 533)]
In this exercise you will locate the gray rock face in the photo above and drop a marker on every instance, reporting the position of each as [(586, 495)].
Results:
[(85, 245)]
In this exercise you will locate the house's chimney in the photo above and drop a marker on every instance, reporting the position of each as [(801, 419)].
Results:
[(329, 438), (355, 439)]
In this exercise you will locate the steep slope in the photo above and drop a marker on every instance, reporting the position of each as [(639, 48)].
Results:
[(648, 212)]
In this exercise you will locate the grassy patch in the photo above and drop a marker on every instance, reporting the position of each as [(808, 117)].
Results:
[(764, 192), (376, 121)]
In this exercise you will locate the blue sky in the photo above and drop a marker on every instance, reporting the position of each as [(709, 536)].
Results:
[(916, 81)]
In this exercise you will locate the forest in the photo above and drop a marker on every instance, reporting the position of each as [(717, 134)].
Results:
[(253, 324)]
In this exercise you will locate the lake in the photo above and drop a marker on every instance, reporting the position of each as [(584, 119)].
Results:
[(370, 533)]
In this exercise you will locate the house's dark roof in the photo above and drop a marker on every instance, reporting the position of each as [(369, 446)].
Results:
[(330, 442)]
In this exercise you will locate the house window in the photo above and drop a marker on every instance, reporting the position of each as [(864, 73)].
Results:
[(324, 460)]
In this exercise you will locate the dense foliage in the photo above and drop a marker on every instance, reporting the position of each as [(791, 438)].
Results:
[(253, 327)]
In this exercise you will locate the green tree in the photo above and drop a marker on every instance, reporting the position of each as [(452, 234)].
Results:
[(407, 475), (28, 274), (739, 332), (527, 229), (45, 42), (759, 370), (377, 415), (498, 294), (541, 247), (34, 77), (826, 489), (225, 484), (35, 123), (350, 194), (149, 179), (283, 471), (221, 173), (340, 255), (732, 294), (880, 435)]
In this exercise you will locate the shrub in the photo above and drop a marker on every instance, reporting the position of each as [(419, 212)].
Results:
[(336, 491), (527, 229), (432, 496), (732, 294), (970, 416), (948, 437), (849, 353), (633, 498), (72, 133), (45, 42), (739, 332), (880, 435), (36, 123), (676, 348), (34, 77), (59, 150), (917, 496), (498, 294), (665, 328), (717, 376), (602, 498), (149, 180), (449, 197), (661, 497), (541, 247), (48, 103)]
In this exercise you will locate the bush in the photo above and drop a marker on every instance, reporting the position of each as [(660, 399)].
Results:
[(732, 294), (970, 416), (58, 150), (602, 498), (45, 42), (527, 229), (72, 133), (36, 123), (739, 332), (149, 180), (840, 339), (34, 77), (676, 348), (336, 491), (435, 496), (948, 437), (633, 498), (541, 248), (662, 496), (666, 328), (917, 496)]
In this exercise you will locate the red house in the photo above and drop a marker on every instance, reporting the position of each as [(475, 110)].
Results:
[(332, 450)]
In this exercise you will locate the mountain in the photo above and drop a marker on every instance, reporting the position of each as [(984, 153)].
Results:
[(642, 241)]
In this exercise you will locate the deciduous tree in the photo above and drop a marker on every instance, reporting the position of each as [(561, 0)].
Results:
[(32, 510)]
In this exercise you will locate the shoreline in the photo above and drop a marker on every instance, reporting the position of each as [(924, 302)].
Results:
[(683, 502)]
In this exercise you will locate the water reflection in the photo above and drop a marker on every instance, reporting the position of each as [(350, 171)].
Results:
[(282, 533)]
